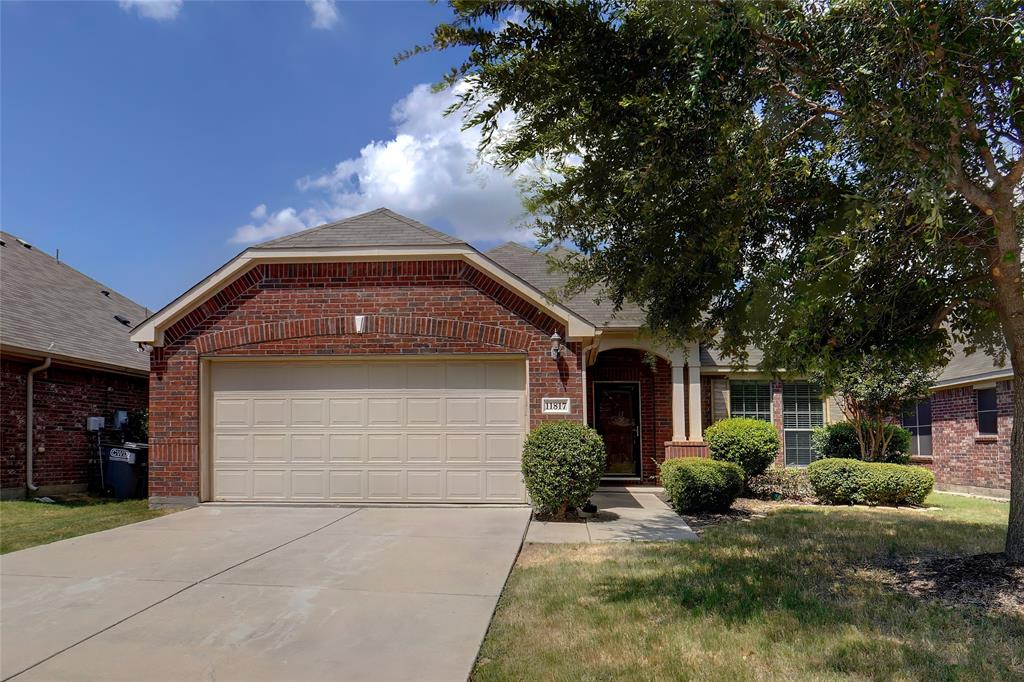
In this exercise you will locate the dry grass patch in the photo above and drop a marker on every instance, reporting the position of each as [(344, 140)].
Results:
[(794, 594)]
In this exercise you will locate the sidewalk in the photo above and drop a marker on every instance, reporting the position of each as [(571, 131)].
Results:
[(621, 517)]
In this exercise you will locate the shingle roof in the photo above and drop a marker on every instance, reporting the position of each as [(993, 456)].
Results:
[(533, 266), (381, 227), (978, 366), (48, 306)]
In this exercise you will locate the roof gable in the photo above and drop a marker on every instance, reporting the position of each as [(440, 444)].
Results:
[(533, 266), (50, 308), (381, 227)]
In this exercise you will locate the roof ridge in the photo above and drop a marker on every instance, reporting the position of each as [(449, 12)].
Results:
[(411, 222), (311, 230)]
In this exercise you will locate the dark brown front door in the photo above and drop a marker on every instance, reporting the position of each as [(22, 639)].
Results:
[(617, 419)]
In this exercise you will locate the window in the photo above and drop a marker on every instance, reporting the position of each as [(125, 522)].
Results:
[(988, 414), (751, 399), (917, 418), (802, 411)]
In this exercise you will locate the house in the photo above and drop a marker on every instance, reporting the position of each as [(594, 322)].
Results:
[(65, 356), (378, 360)]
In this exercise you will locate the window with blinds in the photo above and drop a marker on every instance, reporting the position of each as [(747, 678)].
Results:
[(802, 412), (751, 399)]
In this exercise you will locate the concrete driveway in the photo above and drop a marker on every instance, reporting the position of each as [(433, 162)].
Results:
[(249, 593)]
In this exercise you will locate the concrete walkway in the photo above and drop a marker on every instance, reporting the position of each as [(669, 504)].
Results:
[(621, 517), (254, 593)]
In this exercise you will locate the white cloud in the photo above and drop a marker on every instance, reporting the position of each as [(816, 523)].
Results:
[(325, 13), (428, 170), (160, 10)]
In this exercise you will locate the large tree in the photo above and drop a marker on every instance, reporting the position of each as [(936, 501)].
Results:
[(813, 178)]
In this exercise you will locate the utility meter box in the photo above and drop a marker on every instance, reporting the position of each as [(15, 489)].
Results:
[(94, 423)]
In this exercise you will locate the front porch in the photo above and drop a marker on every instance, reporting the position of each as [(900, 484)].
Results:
[(647, 406)]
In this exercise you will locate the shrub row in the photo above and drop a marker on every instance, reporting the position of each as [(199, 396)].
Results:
[(781, 483), (699, 484), (850, 481)]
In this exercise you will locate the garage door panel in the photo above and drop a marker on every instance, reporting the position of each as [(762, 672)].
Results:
[(384, 485), (346, 485), (307, 411), (308, 485), (347, 447), (270, 484), (307, 447), (424, 485), (503, 447), (270, 447), (384, 412), (424, 447), (347, 412), (388, 431), (231, 412), (384, 447), (270, 412)]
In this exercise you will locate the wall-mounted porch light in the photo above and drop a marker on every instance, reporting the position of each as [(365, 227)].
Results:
[(556, 346)]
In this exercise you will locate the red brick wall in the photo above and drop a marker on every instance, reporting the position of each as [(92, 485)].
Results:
[(416, 307), (64, 397), (960, 456), (626, 364)]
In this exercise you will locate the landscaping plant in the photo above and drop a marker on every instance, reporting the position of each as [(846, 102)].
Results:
[(839, 439), (781, 483), (562, 465), (849, 481), (694, 484), (753, 444)]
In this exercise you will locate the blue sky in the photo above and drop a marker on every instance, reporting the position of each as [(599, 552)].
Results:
[(150, 142)]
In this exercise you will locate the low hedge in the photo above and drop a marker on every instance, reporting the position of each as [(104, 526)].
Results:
[(751, 443), (562, 465), (781, 483), (850, 481), (700, 484)]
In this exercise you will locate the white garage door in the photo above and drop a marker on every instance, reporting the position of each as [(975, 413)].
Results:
[(380, 431)]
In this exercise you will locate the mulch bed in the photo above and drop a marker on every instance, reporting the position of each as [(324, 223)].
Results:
[(981, 581), (744, 509)]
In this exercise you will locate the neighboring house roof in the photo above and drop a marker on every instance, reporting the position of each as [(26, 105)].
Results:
[(534, 267), (49, 308), (978, 366), (381, 227)]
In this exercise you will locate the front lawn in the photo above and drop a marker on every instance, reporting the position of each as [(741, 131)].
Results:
[(796, 595), (27, 523)]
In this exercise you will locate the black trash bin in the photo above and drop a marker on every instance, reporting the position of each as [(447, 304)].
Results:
[(125, 470)]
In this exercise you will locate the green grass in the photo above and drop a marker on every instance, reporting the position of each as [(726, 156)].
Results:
[(27, 523), (792, 596)]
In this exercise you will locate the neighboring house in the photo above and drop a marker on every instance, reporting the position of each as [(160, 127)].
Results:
[(64, 338), (376, 359)]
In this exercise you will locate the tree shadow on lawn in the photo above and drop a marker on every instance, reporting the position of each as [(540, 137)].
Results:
[(819, 576)]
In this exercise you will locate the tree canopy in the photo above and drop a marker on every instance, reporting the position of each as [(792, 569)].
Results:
[(811, 178)]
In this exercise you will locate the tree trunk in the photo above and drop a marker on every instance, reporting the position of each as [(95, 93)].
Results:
[(1005, 266)]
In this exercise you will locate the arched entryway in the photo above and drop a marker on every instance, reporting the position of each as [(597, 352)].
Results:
[(630, 403)]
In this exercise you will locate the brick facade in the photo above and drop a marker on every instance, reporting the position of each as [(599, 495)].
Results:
[(961, 459), (655, 399), (64, 397), (412, 308)]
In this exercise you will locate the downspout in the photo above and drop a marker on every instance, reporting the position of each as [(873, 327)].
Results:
[(30, 426)]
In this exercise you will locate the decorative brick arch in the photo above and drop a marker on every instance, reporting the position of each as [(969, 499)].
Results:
[(379, 324)]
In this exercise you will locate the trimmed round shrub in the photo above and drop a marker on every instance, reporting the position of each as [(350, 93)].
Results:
[(562, 465), (839, 440), (751, 443), (850, 481), (699, 484)]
